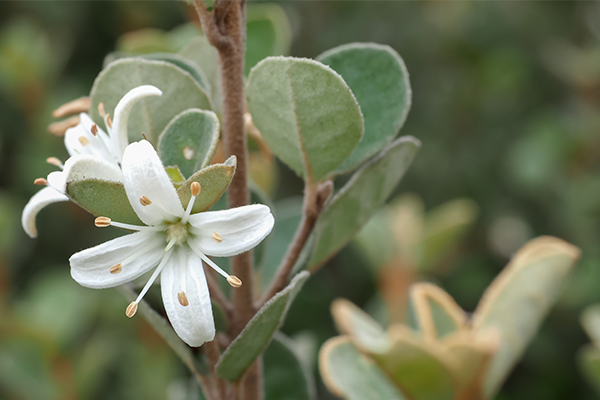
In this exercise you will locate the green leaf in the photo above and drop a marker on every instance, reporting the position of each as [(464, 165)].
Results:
[(285, 377), (352, 376), (364, 331), (255, 337), (306, 114), (361, 197), (190, 140), (378, 78), (213, 180), (588, 360), (147, 40), (519, 298), (175, 59), (175, 175), (205, 56), (149, 115), (268, 33), (590, 320), (103, 199)]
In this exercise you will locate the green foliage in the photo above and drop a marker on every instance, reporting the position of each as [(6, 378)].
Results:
[(588, 360), (268, 33), (257, 334), (206, 58), (213, 180), (361, 197), (190, 140), (378, 78), (306, 113), (285, 377), (149, 116), (351, 375)]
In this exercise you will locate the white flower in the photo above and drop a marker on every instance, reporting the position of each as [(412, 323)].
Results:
[(174, 241), (85, 142)]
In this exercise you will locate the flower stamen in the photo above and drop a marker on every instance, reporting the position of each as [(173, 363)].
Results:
[(183, 300), (115, 269), (231, 279), (145, 201), (102, 222), (101, 110), (155, 274), (84, 141), (131, 309), (195, 188), (40, 182), (171, 244), (55, 161), (216, 237), (108, 121)]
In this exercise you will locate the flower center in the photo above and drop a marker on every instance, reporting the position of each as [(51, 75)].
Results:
[(177, 233)]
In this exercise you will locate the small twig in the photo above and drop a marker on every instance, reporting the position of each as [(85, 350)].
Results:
[(215, 291), (210, 28), (212, 352), (314, 200)]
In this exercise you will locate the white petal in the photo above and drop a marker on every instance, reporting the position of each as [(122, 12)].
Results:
[(39, 200), (84, 167), (193, 323), (240, 228), (79, 140), (144, 175), (91, 267), (119, 132)]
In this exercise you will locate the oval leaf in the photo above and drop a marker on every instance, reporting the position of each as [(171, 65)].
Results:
[(149, 115), (285, 377), (255, 337), (361, 197), (378, 78), (213, 180), (306, 114), (190, 140), (268, 33), (350, 375), (519, 298), (206, 57)]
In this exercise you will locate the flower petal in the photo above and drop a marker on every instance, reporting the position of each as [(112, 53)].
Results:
[(91, 267), (240, 228), (119, 136), (79, 140), (144, 175), (84, 167), (194, 322), (39, 200)]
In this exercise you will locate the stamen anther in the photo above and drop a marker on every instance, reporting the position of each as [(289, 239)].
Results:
[(115, 269), (102, 222), (183, 300), (131, 309), (94, 129), (83, 140), (101, 110), (40, 181), (216, 237), (234, 281), (54, 161), (195, 188), (145, 201), (108, 121)]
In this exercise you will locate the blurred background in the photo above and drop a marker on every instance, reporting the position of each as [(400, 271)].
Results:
[(505, 101)]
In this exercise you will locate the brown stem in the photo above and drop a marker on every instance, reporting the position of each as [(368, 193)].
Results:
[(212, 352), (314, 200), (216, 293)]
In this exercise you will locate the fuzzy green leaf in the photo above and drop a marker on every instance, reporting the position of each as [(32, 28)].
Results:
[(306, 113), (519, 298), (175, 175), (352, 376), (255, 337), (205, 56), (149, 115), (103, 198), (378, 78), (268, 33), (361, 197), (213, 180), (190, 140), (285, 377)]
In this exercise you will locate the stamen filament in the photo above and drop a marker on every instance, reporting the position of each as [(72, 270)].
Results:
[(157, 271), (195, 189), (171, 244), (212, 264)]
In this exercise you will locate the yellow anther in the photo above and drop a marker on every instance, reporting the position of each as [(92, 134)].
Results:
[(83, 140), (131, 309), (195, 189), (145, 201), (101, 110), (183, 300), (54, 161), (115, 269), (40, 181), (234, 281), (94, 129), (102, 222), (216, 237), (108, 121)]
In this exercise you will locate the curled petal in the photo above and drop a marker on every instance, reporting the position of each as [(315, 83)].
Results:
[(39, 200), (79, 140), (145, 175), (239, 229), (186, 297), (84, 167), (137, 253), (119, 134)]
